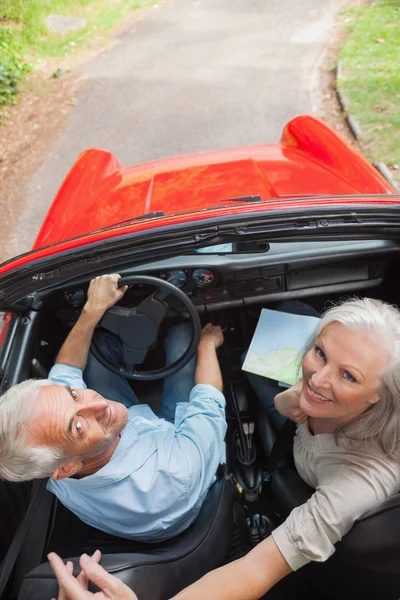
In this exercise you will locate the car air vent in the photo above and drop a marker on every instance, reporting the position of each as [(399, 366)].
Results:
[(246, 274), (267, 285), (258, 272), (272, 270)]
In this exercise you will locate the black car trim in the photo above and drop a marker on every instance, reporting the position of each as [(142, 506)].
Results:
[(308, 224), (245, 200)]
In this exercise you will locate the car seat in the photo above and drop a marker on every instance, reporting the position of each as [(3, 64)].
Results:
[(366, 564), (153, 571)]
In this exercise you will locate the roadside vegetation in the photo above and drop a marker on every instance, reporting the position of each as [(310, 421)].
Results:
[(12, 66), (24, 36), (369, 77)]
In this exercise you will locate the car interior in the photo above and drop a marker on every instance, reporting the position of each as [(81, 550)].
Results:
[(228, 288)]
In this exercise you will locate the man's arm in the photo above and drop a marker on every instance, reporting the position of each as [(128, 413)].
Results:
[(248, 578), (200, 432), (102, 294), (208, 370)]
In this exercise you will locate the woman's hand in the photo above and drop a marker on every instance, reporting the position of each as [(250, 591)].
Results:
[(72, 588), (287, 403)]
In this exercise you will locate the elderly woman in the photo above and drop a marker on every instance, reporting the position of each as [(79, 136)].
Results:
[(347, 445)]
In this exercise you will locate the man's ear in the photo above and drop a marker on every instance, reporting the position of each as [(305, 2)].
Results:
[(67, 470)]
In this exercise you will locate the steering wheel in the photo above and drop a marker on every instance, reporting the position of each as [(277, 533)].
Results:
[(138, 329)]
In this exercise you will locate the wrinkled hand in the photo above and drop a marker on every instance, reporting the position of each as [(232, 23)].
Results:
[(287, 403), (103, 293), (71, 588), (211, 334)]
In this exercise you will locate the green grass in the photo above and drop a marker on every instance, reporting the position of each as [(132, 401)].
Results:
[(370, 77), (26, 19), (24, 37)]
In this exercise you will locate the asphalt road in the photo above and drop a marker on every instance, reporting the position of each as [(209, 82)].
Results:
[(192, 75)]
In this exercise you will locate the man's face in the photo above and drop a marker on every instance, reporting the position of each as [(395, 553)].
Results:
[(79, 422)]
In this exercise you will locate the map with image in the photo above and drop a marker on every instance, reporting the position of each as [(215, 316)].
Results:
[(277, 344)]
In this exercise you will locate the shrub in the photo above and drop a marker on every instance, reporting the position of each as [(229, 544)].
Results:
[(12, 66)]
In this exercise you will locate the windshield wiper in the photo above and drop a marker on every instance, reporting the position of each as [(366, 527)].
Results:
[(326, 222), (149, 215), (244, 199), (158, 214)]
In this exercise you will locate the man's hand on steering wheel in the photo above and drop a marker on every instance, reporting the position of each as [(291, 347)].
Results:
[(138, 326), (103, 293)]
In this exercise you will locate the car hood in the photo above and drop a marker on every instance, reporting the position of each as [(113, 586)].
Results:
[(312, 183), (310, 160)]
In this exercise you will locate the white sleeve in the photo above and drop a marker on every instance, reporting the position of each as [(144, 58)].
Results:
[(67, 375), (311, 530), (200, 435)]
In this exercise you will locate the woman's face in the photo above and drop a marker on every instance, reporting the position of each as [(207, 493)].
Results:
[(341, 374)]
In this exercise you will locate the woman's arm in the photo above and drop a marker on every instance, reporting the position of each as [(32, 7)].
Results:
[(350, 483), (248, 578), (346, 491)]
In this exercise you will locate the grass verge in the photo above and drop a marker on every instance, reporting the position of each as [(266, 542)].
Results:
[(26, 37), (370, 79), (12, 67)]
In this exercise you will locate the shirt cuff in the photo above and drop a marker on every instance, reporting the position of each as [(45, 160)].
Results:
[(67, 375), (205, 389), (287, 547)]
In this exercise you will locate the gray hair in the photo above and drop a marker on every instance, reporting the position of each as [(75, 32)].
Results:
[(19, 460), (380, 423)]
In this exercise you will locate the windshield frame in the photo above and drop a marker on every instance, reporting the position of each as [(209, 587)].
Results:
[(354, 221)]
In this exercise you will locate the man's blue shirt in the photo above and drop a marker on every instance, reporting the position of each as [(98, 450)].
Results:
[(155, 482)]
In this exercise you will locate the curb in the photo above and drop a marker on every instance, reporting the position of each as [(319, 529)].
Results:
[(351, 121), (355, 128), (385, 171)]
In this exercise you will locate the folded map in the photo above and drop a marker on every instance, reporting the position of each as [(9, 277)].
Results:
[(277, 344)]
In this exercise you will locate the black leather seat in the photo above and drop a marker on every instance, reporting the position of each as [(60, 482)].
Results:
[(14, 500), (366, 564), (156, 571)]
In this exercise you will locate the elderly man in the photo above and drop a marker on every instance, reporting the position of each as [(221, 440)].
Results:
[(111, 461)]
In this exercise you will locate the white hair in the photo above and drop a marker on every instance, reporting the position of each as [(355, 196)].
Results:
[(380, 423), (19, 460)]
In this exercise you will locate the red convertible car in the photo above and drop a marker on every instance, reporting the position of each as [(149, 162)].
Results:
[(223, 234)]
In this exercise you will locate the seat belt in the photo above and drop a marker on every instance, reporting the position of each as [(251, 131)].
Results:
[(278, 451), (10, 558)]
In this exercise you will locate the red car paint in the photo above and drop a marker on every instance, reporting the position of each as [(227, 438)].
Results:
[(5, 319), (310, 160)]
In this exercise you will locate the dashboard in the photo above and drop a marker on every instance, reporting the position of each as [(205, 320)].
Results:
[(287, 270), (194, 279)]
